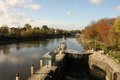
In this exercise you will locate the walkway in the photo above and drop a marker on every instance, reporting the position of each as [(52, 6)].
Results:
[(106, 59), (42, 73)]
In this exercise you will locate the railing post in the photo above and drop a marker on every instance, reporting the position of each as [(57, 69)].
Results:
[(32, 70), (17, 77), (41, 63)]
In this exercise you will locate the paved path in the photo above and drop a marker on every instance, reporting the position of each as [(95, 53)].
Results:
[(41, 73), (106, 59)]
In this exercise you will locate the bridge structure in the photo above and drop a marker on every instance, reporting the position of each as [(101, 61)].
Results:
[(104, 63)]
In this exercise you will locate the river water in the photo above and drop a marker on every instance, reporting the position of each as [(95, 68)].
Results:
[(18, 57)]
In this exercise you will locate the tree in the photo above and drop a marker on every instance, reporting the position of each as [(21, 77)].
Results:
[(116, 28), (44, 27), (101, 31), (28, 26), (4, 30), (116, 25)]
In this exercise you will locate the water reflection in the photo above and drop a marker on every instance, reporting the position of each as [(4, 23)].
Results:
[(5, 49), (17, 57)]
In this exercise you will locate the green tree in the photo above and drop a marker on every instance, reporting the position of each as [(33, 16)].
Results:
[(116, 28), (4, 30), (44, 27), (27, 26), (116, 25)]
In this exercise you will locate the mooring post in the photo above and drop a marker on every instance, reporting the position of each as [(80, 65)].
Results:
[(17, 77), (58, 49), (32, 69), (55, 51), (61, 51), (41, 63)]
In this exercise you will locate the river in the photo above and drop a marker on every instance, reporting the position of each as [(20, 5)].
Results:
[(18, 57)]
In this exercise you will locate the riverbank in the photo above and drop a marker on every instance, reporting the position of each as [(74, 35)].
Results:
[(95, 45), (10, 41)]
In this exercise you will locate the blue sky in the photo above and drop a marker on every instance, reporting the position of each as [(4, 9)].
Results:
[(65, 14)]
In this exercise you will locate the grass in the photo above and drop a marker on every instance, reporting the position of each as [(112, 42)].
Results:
[(115, 55)]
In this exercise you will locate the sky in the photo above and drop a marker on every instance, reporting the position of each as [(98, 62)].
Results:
[(63, 14)]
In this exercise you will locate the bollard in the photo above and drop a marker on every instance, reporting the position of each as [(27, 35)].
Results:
[(32, 70), (55, 51), (41, 63), (61, 51), (17, 77), (58, 49)]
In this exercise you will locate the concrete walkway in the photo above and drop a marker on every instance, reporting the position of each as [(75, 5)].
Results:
[(41, 73), (106, 59)]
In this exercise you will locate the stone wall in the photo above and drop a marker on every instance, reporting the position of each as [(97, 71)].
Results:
[(101, 69)]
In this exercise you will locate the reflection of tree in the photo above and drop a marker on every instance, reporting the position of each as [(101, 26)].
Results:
[(18, 47), (5, 49), (30, 44), (34, 44), (44, 43)]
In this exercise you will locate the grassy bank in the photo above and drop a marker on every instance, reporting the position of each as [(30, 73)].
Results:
[(97, 45)]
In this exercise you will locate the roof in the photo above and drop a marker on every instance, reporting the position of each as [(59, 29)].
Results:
[(52, 53), (47, 55), (62, 42), (70, 51)]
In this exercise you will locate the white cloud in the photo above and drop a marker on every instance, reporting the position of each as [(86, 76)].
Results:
[(3, 6), (96, 2), (15, 3), (118, 8), (28, 20), (35, 6), (9, 13), (12, 18)]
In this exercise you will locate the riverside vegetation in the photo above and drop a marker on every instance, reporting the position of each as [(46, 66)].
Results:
[(29, 32), (104, 34)]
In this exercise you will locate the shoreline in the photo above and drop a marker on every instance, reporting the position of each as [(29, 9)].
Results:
[(27, 40)]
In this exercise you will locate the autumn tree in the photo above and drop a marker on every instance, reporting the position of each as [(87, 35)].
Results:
[(116, 28), (116, 25), (101, 31)]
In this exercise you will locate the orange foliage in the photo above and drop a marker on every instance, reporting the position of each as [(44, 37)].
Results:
[(102, 30)]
